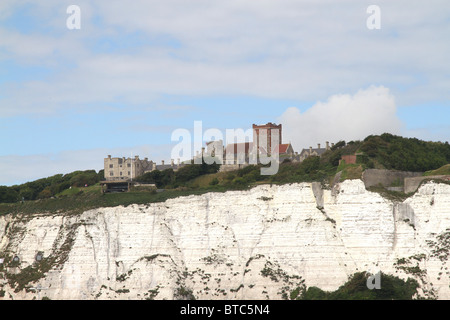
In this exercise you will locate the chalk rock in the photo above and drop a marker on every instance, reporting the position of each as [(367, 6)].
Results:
[(262, 243)]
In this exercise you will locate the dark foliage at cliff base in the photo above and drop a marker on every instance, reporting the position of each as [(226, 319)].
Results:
[(390, 288)]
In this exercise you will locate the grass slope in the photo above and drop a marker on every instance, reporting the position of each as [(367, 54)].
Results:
[(65, 193), (444, 170)]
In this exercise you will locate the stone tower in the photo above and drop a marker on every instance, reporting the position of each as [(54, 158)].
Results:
[(271, 130)]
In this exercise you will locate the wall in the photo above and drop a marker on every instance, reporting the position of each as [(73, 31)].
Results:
[(386, 178), (411, 184), (232, 167), (349, 159)]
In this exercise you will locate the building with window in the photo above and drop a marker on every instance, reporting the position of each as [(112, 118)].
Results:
[(124, 169), (314, 151)]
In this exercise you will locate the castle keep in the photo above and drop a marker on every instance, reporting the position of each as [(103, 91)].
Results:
[(264, 141), (263, 137), (235, 155), (123, 169)]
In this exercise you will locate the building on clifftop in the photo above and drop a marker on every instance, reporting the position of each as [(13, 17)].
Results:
[(124, 169), (314, 151)]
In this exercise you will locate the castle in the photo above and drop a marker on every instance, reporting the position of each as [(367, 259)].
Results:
[(234, 155), (125, 169), (238, 155)]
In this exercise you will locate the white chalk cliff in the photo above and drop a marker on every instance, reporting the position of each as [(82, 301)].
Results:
[(257, 244)]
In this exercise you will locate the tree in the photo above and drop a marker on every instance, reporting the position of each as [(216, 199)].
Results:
[(8, 195), (44, 194), (26, 193), (356, 288), (101, 175), (88, 177), (214, 182), (338, 145), (187, 173), (311, 164)]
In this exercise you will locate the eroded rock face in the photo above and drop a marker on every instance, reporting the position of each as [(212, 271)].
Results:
[(258, 244)]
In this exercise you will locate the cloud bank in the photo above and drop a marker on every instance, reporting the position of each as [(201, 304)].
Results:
[(342, 117), (136, 57), (303, 50)]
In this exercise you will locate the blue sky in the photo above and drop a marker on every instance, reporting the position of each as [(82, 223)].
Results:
[(133, 74)]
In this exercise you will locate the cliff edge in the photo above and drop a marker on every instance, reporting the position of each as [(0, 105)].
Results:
[(263, 243)]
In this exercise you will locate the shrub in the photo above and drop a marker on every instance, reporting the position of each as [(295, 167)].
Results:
[(26, 193), (239, 182), (8, 195), (44, 194), (214, 182), (391, 288), (406, 154), (338, 145), (85, 178)]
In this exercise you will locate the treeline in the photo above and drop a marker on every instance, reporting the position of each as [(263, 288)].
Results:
[(382, 151), (308, 170), (406, 154), (385, 151), (173, 179), (311, 169), (49, 187)]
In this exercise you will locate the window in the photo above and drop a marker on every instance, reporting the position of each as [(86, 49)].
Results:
[(111, 174), (110, 165), (120, 172), (129, 173), (129, 165)]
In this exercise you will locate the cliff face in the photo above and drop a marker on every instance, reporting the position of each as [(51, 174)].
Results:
[(257, 244)]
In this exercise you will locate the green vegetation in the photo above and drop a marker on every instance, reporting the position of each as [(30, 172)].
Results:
[(388, 194), (171, 180), (441, 247), (183, 293), (49, 187), (391, 288), (32, 273), (406, 154), (68, 192), (415, 266), (79, 191), (444, 170), (91, 199), (293, 285), (350, 171)]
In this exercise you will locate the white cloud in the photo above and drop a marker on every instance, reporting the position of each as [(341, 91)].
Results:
[(342, 117), (284, 49), (281, 49)]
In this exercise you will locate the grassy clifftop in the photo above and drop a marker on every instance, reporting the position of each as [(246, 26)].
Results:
[(91, 197), (444, 170), (67, 193)]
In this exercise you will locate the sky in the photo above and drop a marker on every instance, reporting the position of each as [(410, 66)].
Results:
[(131, 73)]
